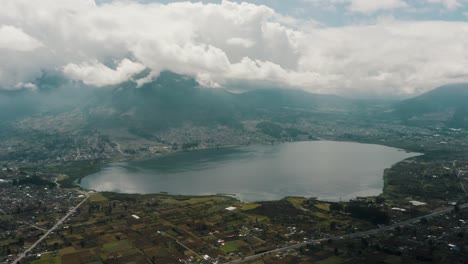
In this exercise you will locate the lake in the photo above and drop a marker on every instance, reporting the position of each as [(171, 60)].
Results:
[(325, 169)]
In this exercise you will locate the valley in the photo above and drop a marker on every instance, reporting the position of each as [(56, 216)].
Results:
[(234, 131), (54, 150)]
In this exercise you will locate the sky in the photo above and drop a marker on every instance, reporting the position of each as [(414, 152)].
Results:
[(345, 47)]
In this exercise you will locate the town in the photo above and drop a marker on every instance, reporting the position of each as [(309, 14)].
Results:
[(121, 228)]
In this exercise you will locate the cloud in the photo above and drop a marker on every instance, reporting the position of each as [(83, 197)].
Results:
[(246, 43), (220, 43), (360, 6), (449, 4), (30, 86), (370, 6), (96, 73), (15, 39)]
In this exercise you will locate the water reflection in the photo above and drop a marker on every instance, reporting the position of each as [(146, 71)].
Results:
[(325, 169)]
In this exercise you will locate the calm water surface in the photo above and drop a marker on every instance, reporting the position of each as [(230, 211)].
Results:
[(324, 169)]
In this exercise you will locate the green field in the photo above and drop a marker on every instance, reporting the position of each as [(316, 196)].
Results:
[(232, 246), (117, 246), (48, 259)]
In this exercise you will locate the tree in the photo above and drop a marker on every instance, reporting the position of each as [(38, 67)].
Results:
[(423, 221), (336, 207), (364, 243), (369, 213), (380, 200), (302, 250), (21, 241)]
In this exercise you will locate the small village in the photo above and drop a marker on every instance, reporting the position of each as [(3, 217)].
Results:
[(121, 228), (234, 132)]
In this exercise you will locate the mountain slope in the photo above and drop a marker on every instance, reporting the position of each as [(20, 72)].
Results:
[(172, 100), (447, 105)]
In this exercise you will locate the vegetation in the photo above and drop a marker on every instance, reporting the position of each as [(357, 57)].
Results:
[(35, 180), (370, 213), (119, 228), (270, 129), (74, 170)]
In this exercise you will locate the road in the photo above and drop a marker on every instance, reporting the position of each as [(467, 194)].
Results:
[(354, 235), (70, 212), (31, 225), (459, 174), (118, 148), (78, 155), (178, 242)]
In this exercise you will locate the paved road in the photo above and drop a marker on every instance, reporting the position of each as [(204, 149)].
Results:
[(118, 148), (354, 235), (22, 255), (78, 155), (32, 225)]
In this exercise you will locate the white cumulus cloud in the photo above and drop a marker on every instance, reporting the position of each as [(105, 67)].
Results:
[(228, 41), (246, 43), (96, 73), (13, 38)]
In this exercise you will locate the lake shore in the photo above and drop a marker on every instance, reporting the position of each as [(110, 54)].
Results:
[(299, 166)]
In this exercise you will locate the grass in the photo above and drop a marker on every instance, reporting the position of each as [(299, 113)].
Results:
[(330, 260), (259, 218), (75, 170), (48, 259), (117, 246), (7, 242), (97, 197), (193, 201), (258, 261), (67, 250), (323, 206), (322, 215), (296, 201), (248, 206), (62, 177), (229, 247), (232, 246)]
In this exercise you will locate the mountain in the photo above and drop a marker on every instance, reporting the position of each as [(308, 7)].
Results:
[(172, 100), (447, 105), (73, 121), (169, 101)]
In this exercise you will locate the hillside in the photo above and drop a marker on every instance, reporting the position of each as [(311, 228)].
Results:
[(446, 105), (172, 100)]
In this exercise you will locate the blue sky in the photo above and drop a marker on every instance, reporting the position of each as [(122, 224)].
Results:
[(338, 13)]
